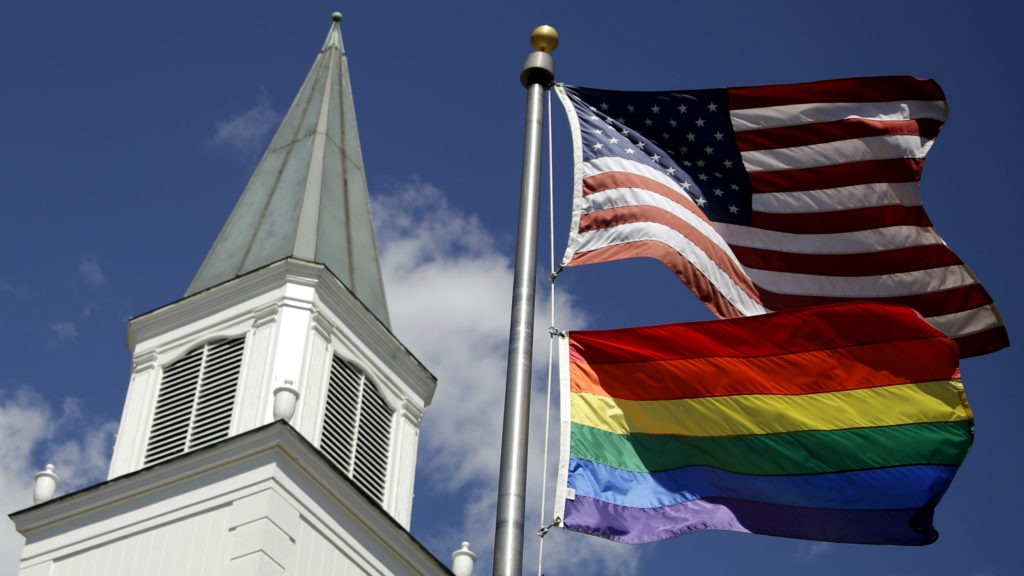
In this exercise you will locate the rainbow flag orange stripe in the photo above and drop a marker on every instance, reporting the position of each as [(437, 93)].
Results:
[(841, 423)]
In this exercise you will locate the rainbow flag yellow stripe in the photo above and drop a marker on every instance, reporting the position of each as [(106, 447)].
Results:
[(742, 415)]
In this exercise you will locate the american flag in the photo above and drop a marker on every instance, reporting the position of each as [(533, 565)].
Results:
[(775, 197)]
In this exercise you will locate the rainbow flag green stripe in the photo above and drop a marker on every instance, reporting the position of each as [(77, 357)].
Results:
[(810, 452)]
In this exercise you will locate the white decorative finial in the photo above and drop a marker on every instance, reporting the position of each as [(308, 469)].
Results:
[(285, 398), (46, 485), (463, 560), (336, 16)]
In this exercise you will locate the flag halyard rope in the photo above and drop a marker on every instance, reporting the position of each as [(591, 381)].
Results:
[(554, 334)]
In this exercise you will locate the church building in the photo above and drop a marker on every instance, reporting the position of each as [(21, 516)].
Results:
[(272, 419)]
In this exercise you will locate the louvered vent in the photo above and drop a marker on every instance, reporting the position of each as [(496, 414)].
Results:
[(193, 408), (357, 428)]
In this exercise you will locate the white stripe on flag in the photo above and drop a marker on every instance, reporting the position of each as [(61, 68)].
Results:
[(604, 164), (797, 114), (858, 242), (882, 286), (840, 152), (844, 198), (636, 232), (967, 322), (620, 197)]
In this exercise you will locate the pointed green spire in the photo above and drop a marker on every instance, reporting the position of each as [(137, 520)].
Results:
[(308, 197)]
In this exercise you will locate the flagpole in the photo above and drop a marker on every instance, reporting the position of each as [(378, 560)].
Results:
[(537, 76)]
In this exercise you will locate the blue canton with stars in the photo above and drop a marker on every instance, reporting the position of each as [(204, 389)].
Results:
[(686, 135)]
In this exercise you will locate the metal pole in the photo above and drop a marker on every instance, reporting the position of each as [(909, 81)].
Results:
[(538, 74)]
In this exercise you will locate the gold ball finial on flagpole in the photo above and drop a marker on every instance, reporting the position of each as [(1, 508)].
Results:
[(544, 39), (540, 67)]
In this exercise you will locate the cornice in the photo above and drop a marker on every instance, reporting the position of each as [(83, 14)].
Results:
[(260, 293), (276, 444)]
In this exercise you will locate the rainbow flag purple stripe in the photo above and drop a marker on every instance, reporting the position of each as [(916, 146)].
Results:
[(637, 525)]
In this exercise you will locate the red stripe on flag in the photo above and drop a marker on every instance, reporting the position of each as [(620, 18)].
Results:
[(877, 263), (983, 342), (616, 180), (877, 89), (929, 304), (810, 134), (839, 175), (842, 220)]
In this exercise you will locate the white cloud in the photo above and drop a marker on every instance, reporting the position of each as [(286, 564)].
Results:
[(449, 292), (808, 549), (65, 331), (30, 428), (246, 132), (91, 273), (17, 291)]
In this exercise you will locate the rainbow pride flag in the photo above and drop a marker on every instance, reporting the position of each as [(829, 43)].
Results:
[(842, 423)]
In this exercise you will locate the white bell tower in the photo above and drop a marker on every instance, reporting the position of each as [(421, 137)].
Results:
[(271, 421)]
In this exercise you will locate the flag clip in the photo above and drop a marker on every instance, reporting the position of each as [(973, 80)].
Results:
[(545, 529)]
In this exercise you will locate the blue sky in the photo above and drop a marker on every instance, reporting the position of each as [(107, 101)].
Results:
[(127, 133)]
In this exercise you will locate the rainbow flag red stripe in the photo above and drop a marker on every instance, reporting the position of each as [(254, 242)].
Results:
[(842, 423)]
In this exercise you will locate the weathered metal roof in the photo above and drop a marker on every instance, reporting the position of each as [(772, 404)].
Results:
[(308, 197)]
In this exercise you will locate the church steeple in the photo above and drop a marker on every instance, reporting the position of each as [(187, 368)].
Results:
[(272, 419), (289, 303), (307, 198)]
